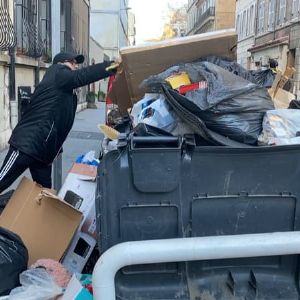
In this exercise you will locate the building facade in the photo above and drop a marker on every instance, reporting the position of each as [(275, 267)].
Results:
[(245, 27), (131, 28), (26, 52), (178, 21), (74, 23), (109, 25), (210, 15), (74, 33), (275, 18), (97, 55), (274, 35)]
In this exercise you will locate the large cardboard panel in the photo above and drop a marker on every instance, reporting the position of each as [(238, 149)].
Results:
[(45, 223), (282, 98), (140, 62), (120, 93)]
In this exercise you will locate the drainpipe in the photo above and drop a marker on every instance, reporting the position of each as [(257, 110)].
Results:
[(37, 74), (12, 82), (187, 249), (12, 89), (55, 45), (276, 16)]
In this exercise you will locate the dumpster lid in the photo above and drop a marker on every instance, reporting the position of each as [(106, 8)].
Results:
[(139, 62)]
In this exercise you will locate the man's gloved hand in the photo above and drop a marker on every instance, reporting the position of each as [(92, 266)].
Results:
[(114, 65)]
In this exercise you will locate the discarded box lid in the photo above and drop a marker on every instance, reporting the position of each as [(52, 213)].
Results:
[(45, 223), (139, 62)]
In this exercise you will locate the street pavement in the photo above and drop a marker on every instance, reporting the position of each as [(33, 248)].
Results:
[(84, 137)]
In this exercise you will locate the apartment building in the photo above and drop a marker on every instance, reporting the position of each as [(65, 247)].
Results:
[(26, 51), (210, 15), (245, 27), (269, 29)]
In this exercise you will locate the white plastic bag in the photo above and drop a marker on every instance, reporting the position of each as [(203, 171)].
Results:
[(159, 114), (37, 284), (140, 105), (89, 157), (280, 127)]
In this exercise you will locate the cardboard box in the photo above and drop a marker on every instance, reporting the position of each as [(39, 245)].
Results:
[(45, 223), (139, 62), (81, 182), (79, 189), (282, 98)]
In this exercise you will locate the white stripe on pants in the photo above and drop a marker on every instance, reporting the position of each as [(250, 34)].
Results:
[(9, 164)]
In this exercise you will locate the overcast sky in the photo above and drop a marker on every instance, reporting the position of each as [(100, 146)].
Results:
[(151, 16)]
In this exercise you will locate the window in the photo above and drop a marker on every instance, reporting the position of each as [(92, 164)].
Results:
[(237, 26), (271, 18), (282, 11), (251, 21), (246, 23), (45, 27), (261, 16), (211, 3), (199, 12), (204, 6), (295, 8), (33, 28), (8, 37), (243, 25)]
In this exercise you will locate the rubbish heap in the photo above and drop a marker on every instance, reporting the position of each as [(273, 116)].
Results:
[(187, 86), (211, 96), (47, 241), (216, 99)]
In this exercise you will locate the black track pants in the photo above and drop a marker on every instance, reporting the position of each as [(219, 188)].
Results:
[(16, 162)]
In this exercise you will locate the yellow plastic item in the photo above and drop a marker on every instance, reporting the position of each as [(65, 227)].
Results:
[(112, 67), (109, 132), (179, 80)]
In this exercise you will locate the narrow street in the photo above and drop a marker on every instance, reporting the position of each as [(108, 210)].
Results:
[(84, 137)]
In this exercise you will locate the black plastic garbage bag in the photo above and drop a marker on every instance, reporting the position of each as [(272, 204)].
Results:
[(230, 105), (13, 260), (294, 104), (262, 78)]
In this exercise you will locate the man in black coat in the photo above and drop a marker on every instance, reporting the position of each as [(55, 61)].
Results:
[(38, 137)]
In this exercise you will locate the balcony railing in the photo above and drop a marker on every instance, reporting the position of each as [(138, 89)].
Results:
[(28, 42), (210, 12), (7, 32)]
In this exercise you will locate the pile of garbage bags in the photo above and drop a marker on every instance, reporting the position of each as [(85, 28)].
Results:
[(219, 101), (224, 97)]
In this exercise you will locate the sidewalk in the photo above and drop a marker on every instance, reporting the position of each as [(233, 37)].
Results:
[(84, 137)]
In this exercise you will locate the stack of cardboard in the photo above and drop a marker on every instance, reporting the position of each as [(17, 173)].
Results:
[(282, 98), (45, 223)]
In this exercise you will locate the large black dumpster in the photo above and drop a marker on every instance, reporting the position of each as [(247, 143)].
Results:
[(165, 187)]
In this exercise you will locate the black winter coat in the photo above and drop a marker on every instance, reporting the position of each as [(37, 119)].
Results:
[(43, 129)]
